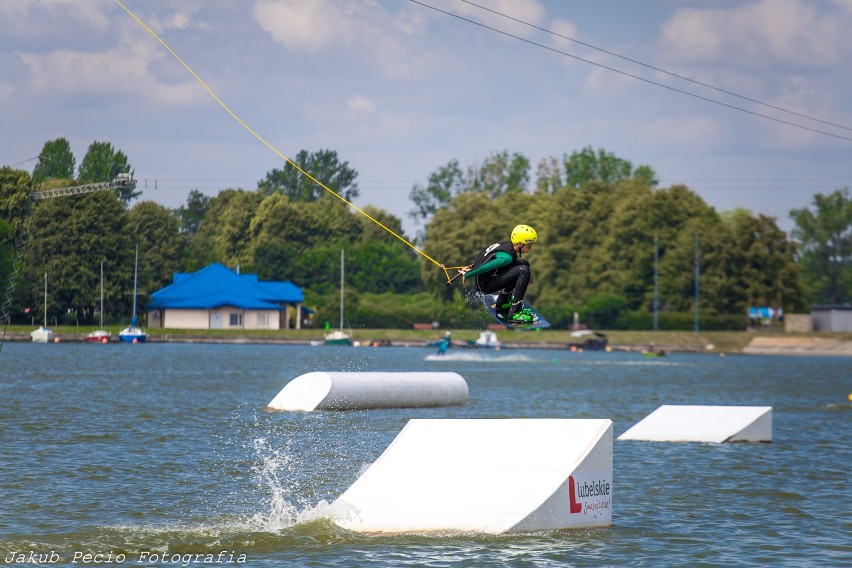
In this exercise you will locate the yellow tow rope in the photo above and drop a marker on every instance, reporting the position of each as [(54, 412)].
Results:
[(274, 149)]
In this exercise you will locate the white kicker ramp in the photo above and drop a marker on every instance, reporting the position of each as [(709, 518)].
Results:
[(485, 476), (349, 391), (684, 423)]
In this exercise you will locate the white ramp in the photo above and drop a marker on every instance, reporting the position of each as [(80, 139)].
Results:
[(349, 391), (486, 476), (684, 423)]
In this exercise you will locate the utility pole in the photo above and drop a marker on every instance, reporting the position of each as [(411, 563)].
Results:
[(656, 279), (697, 274)]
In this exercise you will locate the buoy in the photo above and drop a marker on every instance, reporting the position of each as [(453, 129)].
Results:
[(135, 340), (850, 397), (56, 340)]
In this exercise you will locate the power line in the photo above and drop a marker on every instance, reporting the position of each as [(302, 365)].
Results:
[(669, 73), (24, 162), (626, 74)]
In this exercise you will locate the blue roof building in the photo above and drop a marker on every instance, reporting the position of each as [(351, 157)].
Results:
[(217, 297)]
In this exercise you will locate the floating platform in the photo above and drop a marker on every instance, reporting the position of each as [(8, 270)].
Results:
[(351, 391), (685, 423), (485, 476)]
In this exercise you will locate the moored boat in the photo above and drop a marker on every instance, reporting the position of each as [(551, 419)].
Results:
[(132, 333), (338, 336), (486, 340), (43, 334), (99, 335)]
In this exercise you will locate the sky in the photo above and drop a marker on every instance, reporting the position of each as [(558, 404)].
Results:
[(399, 88)]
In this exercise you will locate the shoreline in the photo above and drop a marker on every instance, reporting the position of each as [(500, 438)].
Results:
[(720, 343)]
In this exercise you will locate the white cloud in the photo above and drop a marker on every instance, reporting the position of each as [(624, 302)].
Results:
[(563, 28), (771, 31), (102, 75), (530, 11), (313, 25), (359, 106), (88, 13)]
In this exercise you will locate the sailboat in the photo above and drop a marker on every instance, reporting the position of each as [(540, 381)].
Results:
[(132, 333), (43, 334), (99, 335), (339, 337)]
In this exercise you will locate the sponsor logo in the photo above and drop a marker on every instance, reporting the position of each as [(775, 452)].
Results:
[(589, 497)]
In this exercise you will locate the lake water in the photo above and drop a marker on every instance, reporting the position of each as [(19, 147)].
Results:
[(165, 450)]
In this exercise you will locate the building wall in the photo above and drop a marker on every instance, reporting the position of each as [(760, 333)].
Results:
[(832, 319), (226, 317), (262, 319), (186, 319), (798, 323)]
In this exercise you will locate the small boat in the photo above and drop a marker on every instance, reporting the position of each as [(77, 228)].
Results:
[(99, 335), (132, 333), (43, 334), (338, 336), (653, 353), (486, 340)]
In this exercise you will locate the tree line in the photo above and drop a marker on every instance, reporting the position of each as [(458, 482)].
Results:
[(598, 219)]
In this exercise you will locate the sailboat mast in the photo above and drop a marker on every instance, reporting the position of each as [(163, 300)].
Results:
[(45, 299), (341, 289), (135, 280), (102, 295)]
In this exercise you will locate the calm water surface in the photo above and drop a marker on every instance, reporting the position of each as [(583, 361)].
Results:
[(146, 450)]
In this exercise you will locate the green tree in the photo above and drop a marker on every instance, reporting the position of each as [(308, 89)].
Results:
[(324, 166), (550, 176), (7, 249), (156, 230), (225, 233), (587, 165), (825, 234), (297, 241), (572, 262), (720, 281), (444, 184), (378, 261), (70, 237), (56, 160), (603, 310), (500, 174), (642, 213), (103, 163), (373, 232), (15, 195), (192, 214), (767, 271)]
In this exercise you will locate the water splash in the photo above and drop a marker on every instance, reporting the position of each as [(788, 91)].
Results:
[(270, 472), (481, 358), (275, 474)]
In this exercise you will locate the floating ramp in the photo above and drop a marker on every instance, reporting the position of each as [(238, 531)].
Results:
[(350, 391), (485, 476), (684, 423)]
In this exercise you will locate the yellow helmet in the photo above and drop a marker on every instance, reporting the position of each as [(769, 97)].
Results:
[(524, 234)]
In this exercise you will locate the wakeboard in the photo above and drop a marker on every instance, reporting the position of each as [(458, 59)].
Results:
[(500, 315)]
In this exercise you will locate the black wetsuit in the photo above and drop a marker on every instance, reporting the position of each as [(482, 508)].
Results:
[(504, 273)]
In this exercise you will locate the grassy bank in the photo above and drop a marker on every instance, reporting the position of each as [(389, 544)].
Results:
[(727, 341)]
